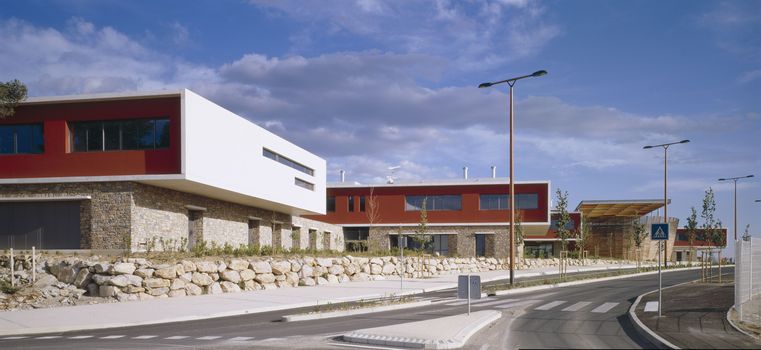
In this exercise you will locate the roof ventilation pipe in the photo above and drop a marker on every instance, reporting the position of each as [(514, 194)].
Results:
[(493, 171), (465, 172), (342, 173)]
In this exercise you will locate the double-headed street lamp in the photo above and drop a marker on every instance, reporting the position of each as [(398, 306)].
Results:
[(665, 187), (511, 83), (735, 181)]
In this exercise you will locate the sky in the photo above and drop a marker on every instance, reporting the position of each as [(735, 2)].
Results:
[(370, 84)]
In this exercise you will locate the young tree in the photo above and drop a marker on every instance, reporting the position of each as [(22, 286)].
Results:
[(563, 218), (692, 229), (518, 232), (372, 213), (420, 237), (11, 93), (639, 233), (583, 237), (746, 235), (709, 219)]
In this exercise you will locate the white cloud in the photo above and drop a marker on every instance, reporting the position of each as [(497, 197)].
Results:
[(750, 76)]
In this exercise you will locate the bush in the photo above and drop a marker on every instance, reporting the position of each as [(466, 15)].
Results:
[(5, 287)]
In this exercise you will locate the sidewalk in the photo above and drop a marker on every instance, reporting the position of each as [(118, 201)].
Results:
[(694, 316), (156, 311)]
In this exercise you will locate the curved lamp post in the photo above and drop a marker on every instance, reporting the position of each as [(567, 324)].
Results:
[(734, 179), (665, 147), (511, 82)]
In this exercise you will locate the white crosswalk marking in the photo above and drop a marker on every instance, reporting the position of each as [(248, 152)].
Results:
[(176, 337), (145, 337), (209, 337), (549, 306), (516, 303), (112, 337), (578, 306), (604, 308), (81, 337), (502, 301), (49, 337), (241, 338), (14, 338)]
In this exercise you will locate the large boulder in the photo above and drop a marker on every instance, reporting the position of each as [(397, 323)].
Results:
[(201, 279), (360, 277), (229, 287), (332, 279), (231, 276), (193, 289), (45, 281), (107, 291), (177, 293), (324, 262), (168, 272), (265, 278), (144, 272), (280, 267), (177, 283), (336, 270), (261, 267), (238, 264), (101, 279), (292, 278), (308, 282), (82, 279), (101, 267), (388, 269), (157, 291), (126, 280), (64, 272), (375, 269), (295, 266), (306, 272), (206, 266), (188, 266), (247, 275), (156, 283), (214, 288), (122, 269)]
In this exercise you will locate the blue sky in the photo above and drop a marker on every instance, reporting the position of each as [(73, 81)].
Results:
[(371, 84)]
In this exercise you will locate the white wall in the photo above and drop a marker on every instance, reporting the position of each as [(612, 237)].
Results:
[(224, 150)]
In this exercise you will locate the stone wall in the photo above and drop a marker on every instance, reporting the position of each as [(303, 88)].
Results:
[(153, 218), (126, 279)]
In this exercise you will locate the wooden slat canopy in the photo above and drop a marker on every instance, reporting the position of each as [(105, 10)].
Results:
[(618, 208)]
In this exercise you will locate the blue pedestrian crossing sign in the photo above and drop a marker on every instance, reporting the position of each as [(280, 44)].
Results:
[(659, 232)]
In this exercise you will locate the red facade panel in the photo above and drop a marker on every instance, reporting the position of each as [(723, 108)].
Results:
[(701, 238), (58, 160), (391, 204)]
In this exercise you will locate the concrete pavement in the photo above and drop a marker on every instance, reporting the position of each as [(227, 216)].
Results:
[(694, 317), (157, 311)]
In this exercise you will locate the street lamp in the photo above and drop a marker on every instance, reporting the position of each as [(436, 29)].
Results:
[(734, 179), (665, 188), (511, 83)]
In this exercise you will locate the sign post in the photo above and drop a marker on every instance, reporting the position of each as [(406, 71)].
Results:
[(402, 244), (469, 287), (660, 233)]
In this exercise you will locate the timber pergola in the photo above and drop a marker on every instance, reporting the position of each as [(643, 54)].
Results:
[(618, 208)]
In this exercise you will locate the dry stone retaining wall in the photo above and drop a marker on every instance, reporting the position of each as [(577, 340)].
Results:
[(127, 279)]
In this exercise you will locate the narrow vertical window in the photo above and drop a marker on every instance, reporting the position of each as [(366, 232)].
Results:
[(351, 203), (362, 203)]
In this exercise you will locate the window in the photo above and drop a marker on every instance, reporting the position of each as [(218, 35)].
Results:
[(304, 184), (351, 203), (331, 204), (500, 201), (21, 139), (444, 202), (568, 226), (118, 135), (362, 203), (538, 250), (285, 161)]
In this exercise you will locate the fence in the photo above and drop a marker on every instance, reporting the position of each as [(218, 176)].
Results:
[(748, 280)]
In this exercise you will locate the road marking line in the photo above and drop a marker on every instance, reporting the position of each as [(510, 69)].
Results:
[(176, 337), (516, 303), (548, 306), (651, 306), (112, 337), (49, 337), (145, 337), (14, 338), (241, 338), (502, 301), (578, 306), (472, 302), (81, 337), (209, 337), (604, 308)]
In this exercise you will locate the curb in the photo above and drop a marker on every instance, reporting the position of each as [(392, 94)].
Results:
[(586, 281), (648, 333), (455, 342), (736, 327), (342, 313)]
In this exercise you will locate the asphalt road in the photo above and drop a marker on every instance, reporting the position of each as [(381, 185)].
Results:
[(595, 317)]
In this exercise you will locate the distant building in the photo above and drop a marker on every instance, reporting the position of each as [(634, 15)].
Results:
[(702, 242), (108, 171)]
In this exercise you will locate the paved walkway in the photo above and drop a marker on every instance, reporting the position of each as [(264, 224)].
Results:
[(694, 316), (155, 311)]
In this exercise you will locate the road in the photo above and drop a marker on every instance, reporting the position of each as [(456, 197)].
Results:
[(585, 316)]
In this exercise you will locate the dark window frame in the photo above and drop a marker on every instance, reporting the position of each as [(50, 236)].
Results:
[(268, 153), (330, 204), (99, 129), (433, 202), (303, 184), (500, 198)]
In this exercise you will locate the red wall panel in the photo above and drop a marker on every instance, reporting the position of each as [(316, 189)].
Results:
[(58, 161), (391, 204)]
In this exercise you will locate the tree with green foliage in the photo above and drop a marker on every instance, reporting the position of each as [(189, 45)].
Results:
[(708, 214), (582, 240), (563, 218), (746, 235), (421, 238), (639, 233), (692, 230), (11, 94)]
